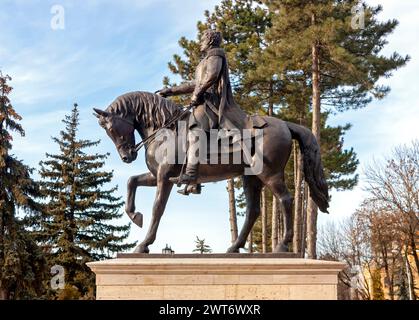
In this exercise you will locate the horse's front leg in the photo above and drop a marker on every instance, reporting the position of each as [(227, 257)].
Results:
[(164, 186), (147, 180)]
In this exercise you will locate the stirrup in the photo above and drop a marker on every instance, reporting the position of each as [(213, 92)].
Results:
[(191, 188)]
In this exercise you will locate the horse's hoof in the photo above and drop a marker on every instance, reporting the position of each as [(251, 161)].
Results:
[(137, 218), (141, 249), (233, 250), (281, 248)]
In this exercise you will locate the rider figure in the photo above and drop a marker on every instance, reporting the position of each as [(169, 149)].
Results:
[(212, 99)]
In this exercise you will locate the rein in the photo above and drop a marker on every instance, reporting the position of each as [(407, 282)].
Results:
[(152, 136)]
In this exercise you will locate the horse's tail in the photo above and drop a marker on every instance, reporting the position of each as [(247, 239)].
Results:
[(313, 168)]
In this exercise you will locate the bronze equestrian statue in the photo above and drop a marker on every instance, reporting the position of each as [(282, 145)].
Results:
[(214, 108)]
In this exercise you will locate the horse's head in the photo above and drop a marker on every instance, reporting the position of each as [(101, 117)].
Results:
[(121, 131)]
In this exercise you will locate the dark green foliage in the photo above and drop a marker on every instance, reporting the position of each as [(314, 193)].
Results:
[(350, 60), (339, 163), (22, 266), (78, 224)]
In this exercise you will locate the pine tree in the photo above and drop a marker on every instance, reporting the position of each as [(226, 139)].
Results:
[(269, 84), (79, 223), (22, 265), (201, 246), (339, 64)]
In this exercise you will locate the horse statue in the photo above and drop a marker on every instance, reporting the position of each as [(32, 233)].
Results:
[(147, 113)]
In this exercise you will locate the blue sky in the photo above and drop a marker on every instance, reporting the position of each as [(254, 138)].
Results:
[(109, 47)]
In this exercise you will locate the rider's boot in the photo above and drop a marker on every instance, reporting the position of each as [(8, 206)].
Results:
[(191, 188), (190, 175), (189, 178)]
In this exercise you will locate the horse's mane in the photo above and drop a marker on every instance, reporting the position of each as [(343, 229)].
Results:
[(149, 109)]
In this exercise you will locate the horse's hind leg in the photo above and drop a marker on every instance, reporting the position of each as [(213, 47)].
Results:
[(252, 187), (164, 186), (278, 187)]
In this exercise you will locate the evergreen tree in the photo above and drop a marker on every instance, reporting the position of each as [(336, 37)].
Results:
[(261, 86), (201, 246), (316, 48), (78, 225), (22, 266)]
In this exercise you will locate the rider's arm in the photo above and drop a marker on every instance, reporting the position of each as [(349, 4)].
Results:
[(184, 88), (212, 72)]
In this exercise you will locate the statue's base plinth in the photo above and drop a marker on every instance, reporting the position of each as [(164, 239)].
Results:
[(215, 277)]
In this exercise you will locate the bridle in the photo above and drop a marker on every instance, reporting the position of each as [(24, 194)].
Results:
[(152, 136), (125, 143)]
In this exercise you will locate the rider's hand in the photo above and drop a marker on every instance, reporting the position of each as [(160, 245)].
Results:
[(165, 92)]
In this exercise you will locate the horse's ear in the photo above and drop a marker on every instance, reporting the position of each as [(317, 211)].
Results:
[(102, 116), (100, 113)]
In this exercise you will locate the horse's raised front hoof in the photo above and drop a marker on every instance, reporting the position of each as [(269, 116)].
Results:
[(233, 249), (137, 218), (141, 249), (281, 248)]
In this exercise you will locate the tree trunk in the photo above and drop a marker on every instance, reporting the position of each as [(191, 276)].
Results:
[(281, 228), (387, 271), (410, 281), (271, 103), (275, 222), (250, 242), (304, 217), (298, 219), (264, 222), (311, 229), (413, 248), (312, 207), (275, 208), (232, 207)]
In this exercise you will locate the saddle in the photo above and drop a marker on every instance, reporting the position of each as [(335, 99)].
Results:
[(237, 137), (237, 142)]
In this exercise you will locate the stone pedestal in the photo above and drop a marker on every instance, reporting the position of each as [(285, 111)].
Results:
[(215, 278)]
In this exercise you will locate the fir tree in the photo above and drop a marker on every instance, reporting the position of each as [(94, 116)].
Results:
[(79, 221), (201, 246), (22, 266)]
